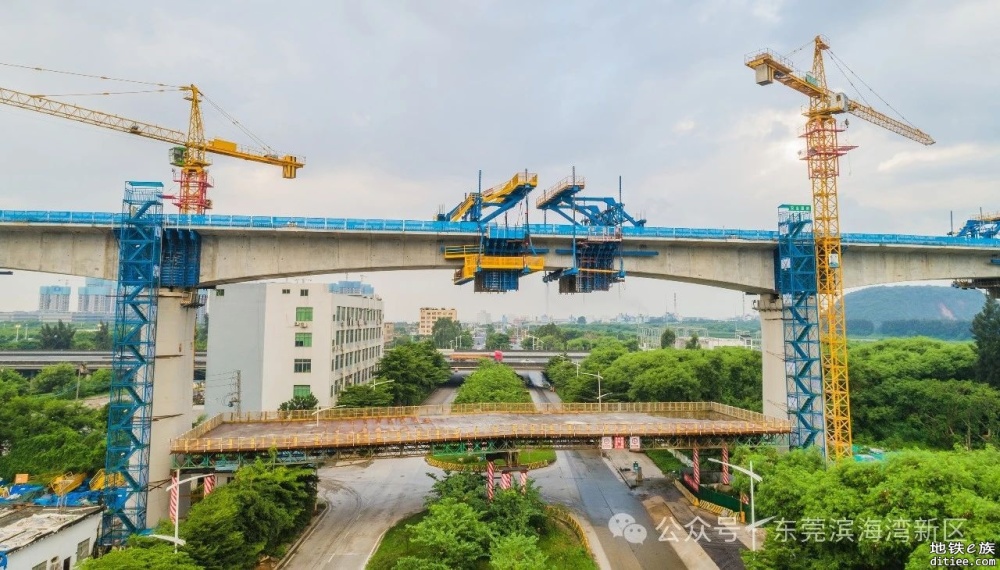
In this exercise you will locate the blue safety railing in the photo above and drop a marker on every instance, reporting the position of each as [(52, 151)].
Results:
[(377, 225)]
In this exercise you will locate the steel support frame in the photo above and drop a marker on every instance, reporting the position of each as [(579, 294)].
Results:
[(131, 398)]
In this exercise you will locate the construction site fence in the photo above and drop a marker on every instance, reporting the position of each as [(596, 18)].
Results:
[(562, 514), (479, 467), (345, 224)]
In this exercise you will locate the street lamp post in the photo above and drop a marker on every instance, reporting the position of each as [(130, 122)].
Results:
[(373, 384), (176, 539), (753, 477), (317, 412), (600, 395)]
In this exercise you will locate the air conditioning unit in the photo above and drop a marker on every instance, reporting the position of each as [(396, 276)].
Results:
[(302, 324)]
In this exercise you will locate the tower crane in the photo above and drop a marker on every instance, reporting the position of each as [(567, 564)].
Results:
[(822, 157), (190, 154)]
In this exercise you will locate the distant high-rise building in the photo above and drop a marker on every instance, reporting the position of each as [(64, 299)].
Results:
[(97, 296), (352, 288), (430, 315), (53, 299), (484, 318)]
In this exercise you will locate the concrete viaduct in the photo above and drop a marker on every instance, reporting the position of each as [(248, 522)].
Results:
[(248, 248)]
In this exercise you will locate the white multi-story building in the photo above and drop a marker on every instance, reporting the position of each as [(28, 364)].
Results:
[(268, 342)]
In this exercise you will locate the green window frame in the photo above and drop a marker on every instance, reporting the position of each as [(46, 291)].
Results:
[(304, 339), (301, 390), (303, 313)]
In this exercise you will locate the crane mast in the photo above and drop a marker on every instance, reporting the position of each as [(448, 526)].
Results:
[(823, 152)]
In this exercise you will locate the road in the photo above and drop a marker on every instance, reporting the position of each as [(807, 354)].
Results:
[(582, 481), (364, 499)]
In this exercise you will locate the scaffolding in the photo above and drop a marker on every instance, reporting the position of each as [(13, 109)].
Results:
[(131, 401), (796, 281)]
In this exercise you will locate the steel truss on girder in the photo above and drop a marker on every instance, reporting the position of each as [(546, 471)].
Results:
[(131, 401), (207, 462), (796, 281)]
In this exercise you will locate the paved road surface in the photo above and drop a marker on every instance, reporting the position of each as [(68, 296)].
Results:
[(583, 481), (364, 500)]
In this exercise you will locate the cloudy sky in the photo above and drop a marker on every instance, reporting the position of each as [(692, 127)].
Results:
[(397, 105)]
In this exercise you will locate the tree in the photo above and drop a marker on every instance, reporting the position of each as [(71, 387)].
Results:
[(986, 332), (43, 435), (497, 341), (446, 332), (158, 556), (454, 531), (693, 342), (53, 379), (668, 338), (514, 512), (416, 369), (307, 402), (56, 337), (492, 382), (581, 320), (517, 552), (365, 396)]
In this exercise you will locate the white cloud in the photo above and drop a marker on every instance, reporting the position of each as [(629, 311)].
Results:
[(684, 126), (940, 156)]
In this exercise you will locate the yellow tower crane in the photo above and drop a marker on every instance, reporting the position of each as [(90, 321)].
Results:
[(190, 154), (823, 154)]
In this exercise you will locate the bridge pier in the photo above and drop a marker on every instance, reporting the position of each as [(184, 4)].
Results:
[(772, 348), (173, 411)]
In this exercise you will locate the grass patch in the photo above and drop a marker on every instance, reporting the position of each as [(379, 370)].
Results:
[(664, 460), (528, 456), (557, 541), (396, 544), (563, 548)]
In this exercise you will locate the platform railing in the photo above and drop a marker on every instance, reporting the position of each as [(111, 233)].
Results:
[(102, 219)]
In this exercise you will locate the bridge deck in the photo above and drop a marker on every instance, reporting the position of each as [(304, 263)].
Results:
[(107, 220), (347, 429)]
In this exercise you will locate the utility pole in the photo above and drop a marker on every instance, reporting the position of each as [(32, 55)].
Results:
[(239, 393)]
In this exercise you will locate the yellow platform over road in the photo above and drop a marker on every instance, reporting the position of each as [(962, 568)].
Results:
[(411, 430)]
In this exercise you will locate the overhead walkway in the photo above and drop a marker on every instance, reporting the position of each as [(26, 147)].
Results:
[(228, 440)]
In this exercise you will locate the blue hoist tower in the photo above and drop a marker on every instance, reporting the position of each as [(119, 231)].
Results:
[(796, 282), (504, 253), (597, 250), (150, 256)]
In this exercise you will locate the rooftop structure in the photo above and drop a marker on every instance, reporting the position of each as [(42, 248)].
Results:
[(38, 537)]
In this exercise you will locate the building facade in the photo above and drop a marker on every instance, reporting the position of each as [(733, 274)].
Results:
[(430, 315), (269, 342), (96, 297), (53, 299)]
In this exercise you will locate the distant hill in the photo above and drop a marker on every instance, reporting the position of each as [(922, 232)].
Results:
[(913, 303)]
